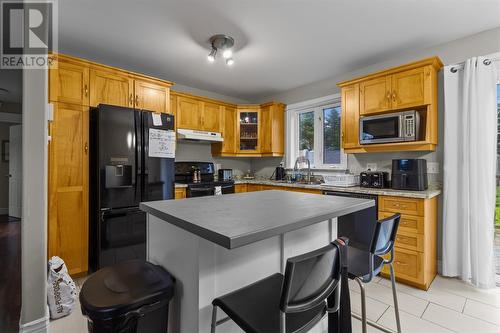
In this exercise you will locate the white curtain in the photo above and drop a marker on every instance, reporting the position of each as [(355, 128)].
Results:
[(470, 138)]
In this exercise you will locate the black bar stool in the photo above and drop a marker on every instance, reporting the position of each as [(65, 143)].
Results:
[(294, 302), (364, 265)]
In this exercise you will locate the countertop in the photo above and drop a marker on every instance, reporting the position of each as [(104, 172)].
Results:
[(234, 220), (431, 192)]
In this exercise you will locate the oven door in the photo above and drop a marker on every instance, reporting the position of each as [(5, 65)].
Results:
[(381, 129), (193, 192), (227, 188)]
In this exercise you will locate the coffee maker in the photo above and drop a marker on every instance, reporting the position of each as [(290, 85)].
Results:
[(280, 172)]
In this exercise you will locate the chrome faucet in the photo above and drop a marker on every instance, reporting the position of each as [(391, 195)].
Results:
[(303, 159)]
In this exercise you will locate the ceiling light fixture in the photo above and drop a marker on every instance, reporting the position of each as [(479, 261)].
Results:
[(213, 53), (225, 44)]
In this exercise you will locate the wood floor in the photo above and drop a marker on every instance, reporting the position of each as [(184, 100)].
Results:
[(10, 274)]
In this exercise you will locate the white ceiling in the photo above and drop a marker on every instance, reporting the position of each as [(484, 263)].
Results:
[(280, 44)]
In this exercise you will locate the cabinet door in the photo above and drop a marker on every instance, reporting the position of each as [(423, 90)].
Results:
[(112, 88), (249, 122), (68, 186), (188, 113), (350, 116), (229, 131), (211, 117), (375, 95), (69, 83), (266, 130), (411, 88), (152, 97)]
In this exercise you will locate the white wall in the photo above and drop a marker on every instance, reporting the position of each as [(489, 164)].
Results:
[(201, 152), (486, 42), (34, 221), (209, 94)]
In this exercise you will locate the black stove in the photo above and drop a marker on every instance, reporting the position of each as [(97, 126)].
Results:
[(184, 174)]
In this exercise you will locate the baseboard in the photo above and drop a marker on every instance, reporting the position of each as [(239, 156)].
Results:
[(37, 326), (4, 211)]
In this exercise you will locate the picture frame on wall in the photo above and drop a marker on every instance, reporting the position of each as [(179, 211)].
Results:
[(5, 151)]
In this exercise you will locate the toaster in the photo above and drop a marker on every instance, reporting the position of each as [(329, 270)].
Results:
[(374, 179)]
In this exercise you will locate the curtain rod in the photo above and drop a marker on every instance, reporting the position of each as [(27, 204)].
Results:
[(460, 65)]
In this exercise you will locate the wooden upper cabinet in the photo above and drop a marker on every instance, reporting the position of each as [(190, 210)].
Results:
[(188, 113), (228, 146), (411, 88), (350, 116), (272, 131), (111, 87), (248, 133), (211, 117), (151, 96), (68, 186), (375, 95), (69, 83)]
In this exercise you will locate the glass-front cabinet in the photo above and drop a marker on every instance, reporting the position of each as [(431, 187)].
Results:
[(248, 130)]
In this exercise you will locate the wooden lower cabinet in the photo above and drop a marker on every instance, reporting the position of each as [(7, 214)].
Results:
[(68, 186), (240, 188), (180, 193), (415, 255)]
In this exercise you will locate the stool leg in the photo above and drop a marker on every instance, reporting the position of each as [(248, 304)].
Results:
[(395, 296), (363, 304), (214, 319)]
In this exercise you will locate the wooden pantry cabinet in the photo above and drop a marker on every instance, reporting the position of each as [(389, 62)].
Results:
[(68, 186), (410, 86), (415, 251)]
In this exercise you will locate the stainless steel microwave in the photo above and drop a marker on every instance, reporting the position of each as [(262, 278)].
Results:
[(392, 127)]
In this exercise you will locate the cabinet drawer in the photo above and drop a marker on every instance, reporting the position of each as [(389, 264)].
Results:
[(408, 223), (408, 265), (402, 205), (410, 241), (254, 187), (180, 193)]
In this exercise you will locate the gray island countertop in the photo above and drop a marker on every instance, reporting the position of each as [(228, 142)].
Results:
[(234, 220)]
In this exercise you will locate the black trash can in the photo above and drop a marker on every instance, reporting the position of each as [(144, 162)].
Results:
[(129, 297)]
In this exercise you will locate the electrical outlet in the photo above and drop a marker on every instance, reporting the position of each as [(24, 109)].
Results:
[(371, 166), (432, 167)]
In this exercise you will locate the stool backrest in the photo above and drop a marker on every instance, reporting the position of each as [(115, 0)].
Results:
[(385, 235), (310, 278)]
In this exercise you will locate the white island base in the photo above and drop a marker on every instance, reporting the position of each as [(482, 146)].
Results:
[(204, 270)]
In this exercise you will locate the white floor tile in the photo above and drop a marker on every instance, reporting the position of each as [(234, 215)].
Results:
[(482, 311), (74, 323), (374, 308), (457, 321), (409, 323), (408, 303), (357, 327), (435, 295), (460, 288)]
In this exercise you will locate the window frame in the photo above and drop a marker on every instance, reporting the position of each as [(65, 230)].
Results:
[(292, 132)]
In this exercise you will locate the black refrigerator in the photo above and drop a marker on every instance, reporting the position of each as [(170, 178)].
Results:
[(125, 171)]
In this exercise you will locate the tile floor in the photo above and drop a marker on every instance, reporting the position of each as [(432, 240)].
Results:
[(448, 306)]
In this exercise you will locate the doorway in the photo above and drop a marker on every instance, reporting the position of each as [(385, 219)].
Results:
[(10, 198)]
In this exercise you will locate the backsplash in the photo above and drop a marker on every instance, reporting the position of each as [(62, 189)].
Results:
[(201, 152)]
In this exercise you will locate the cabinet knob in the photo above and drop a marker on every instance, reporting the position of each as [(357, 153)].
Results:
[(86, 148), (86, 90), (131, 99), (394, 96), (136, 100), (388, 95)]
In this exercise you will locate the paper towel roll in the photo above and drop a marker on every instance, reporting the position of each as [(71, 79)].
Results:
[(218, 190)]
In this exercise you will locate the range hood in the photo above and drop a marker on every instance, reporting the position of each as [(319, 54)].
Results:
[(194, 135)]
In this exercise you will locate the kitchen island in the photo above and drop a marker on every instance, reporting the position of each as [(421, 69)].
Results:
[(213, 245)]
